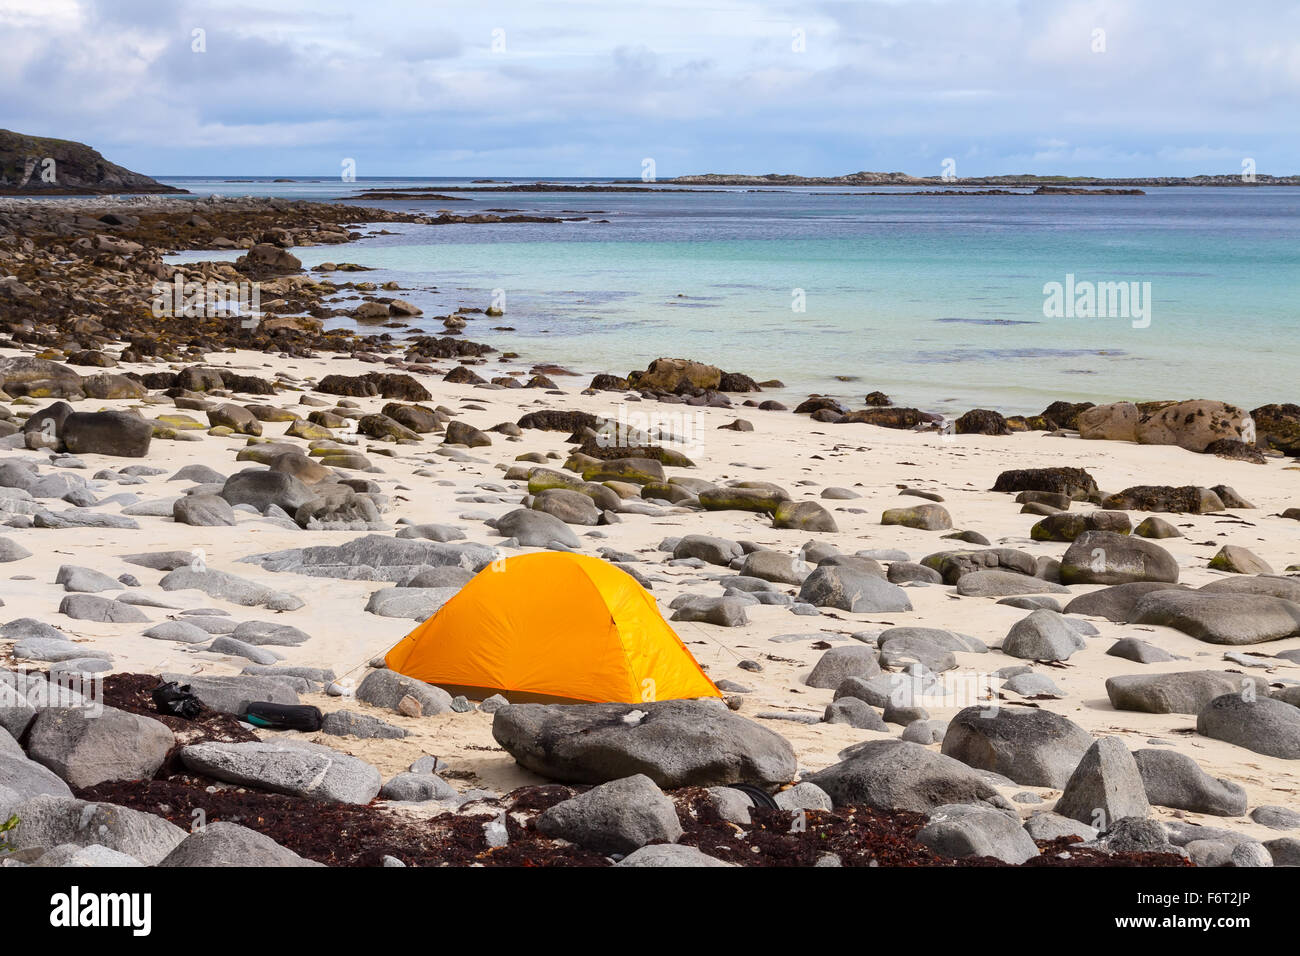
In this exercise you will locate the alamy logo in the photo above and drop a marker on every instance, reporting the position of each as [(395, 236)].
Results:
[(1083, 299), (74, 909)]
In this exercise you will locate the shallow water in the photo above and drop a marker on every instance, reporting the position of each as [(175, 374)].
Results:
[(937, 300)]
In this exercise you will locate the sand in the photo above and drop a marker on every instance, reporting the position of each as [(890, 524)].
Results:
[(790, 450)]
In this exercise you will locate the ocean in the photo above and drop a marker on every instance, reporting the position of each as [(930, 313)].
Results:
[(943, 302)]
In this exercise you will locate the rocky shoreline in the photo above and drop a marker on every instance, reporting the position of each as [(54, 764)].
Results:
[(991, 641)]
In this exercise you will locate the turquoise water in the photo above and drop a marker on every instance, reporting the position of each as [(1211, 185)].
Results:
[(936, 300)]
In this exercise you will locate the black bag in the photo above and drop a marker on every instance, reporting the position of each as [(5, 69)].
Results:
[(283, 716), (176, 700)]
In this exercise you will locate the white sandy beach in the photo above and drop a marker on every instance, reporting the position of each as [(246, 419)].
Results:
[(790, 450)]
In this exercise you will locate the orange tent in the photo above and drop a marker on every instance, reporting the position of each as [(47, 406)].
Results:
[(552, 626)]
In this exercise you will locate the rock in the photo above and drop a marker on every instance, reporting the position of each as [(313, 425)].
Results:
[(994, 583), (418, 604), (22, 779), (571, 507), (854, 712), (229, 844), (1192, 425), (803, 516), (11, 550), (676, 743), (962, 829), (85, 857), (84, 580), (1273, 585), (89, 607), (930, 517), (262, 489), (1221, 618), (1156, 527), (954, 565), (227, 587), (293, 768), (1285, 851), (1073, 482), (904, 646), (25, 375), (385, 688), (203, 511), (1036, 748), (670, 854), (1135, 834), (1105, 786), (839, 663), (50, 821), (417, 787), (893, 774), (87, 748), (676, 376), (907, 572), (853, 590), (1187, 499), (1103, 557), (924, 732), (764, 499), (1263, 725), (723, 611), (803, 796), (261, 633), (1042, 636), (1052, 826), (1116, 421), (1238, 560), (232, 695), (616, 817), (1276, 818), (1032, 685), (1143, 652), (237, 648), (1184, 692), (1175, 780), (1115, 603), (121, 434), (536, 529), (379, 558), (1068, 525), (775, 566), (707, 548)]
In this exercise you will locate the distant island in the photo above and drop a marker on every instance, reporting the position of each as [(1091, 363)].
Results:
[(1020, 179), (42, 166)]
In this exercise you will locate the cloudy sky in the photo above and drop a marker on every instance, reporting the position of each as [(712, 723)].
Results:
[(593, 87)]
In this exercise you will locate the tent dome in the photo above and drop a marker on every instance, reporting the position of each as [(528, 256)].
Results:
[(552, 626)]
